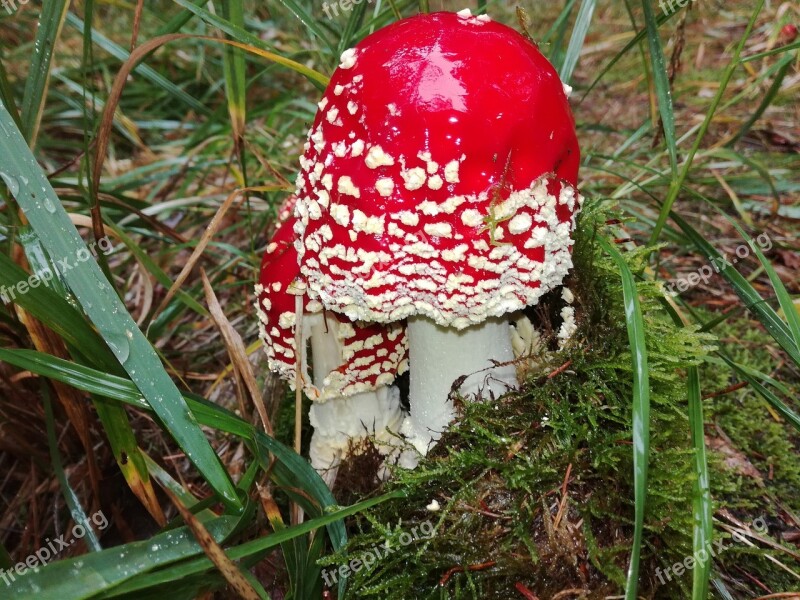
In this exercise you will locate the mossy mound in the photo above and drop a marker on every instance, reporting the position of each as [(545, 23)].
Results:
[(535, 487)]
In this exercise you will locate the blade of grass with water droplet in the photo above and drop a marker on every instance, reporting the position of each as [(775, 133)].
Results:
[(103, 306), (701, 496), (198, 566), (641, 408), (51, 21), (48, 304), (86, 576)]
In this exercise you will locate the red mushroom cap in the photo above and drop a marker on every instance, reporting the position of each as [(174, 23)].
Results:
[(437, 179), (788, 33), (372, 354)]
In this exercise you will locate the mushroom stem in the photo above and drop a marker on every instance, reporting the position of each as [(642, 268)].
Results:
[(338, 421), (325, 348), (438, 356)]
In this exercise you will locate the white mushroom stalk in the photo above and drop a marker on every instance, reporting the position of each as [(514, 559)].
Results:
[(343, 423), (439, 357)]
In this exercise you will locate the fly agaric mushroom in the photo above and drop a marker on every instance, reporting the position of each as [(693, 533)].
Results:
[(437, 186), (352, 363)]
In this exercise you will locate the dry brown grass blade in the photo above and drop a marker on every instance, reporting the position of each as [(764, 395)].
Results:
[(71, 399), (214, 552), (139, 54), (152, 222), (137, 20), (236, 351), (209, 233), (271, 509)]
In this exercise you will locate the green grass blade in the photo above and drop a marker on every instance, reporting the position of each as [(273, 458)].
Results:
[(70, 497), (178, 21), (105, 570), (113, 418), (100, 302), (50, 308), (156, 271), (701, 500), (785, 64), (234, 70), (354, 22), (784, 299), (148, 73), (582, 22), (310, 23), (559, 21), (661, 79), (660, 20), (746, 292), (128, 455), (6, 95), (240, 36), (778, 50), (677, 182), (51, 21), (641, 409), (765, 393)]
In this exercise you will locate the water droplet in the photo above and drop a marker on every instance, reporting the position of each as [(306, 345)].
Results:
[(49, 206), (119, 346), (11, 183)]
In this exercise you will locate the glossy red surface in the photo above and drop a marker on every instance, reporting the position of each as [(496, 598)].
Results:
[(432, 116)]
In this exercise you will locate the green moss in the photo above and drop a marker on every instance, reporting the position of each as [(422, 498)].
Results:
[(500, 475), (757, 468)]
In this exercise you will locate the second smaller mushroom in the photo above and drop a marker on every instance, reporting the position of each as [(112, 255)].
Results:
[(352, 364)]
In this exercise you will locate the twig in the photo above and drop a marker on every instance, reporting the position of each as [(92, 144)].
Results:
[(560, 369), (727, 390), (446, 577), (297, 512), (528, 595)]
